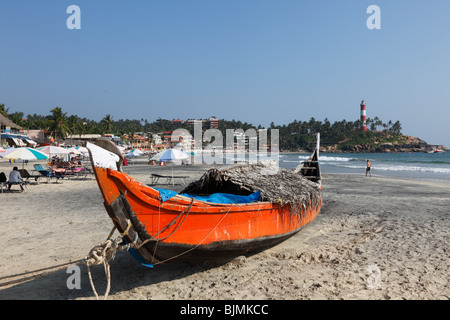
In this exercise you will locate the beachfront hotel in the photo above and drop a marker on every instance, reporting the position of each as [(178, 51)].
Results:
[(12, 134)]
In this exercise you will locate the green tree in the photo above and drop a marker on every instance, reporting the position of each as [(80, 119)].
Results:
[(58, 124), (75, 125), (397, 128), (17, 118), (3, 110), (107, 124)]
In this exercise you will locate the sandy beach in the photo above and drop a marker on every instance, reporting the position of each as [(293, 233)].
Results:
[(399, 230)]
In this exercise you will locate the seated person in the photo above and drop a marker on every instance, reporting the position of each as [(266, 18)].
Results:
[(15, 178)]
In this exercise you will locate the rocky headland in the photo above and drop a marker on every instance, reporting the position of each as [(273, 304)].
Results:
[(384, 143)]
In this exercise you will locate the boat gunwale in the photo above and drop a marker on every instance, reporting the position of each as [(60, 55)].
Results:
[(179, 200)]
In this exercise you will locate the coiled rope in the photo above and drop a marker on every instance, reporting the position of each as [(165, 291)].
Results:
[(102, 254)]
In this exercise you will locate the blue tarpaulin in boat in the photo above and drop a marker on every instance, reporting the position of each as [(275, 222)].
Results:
[(166, 194), (223, 198)]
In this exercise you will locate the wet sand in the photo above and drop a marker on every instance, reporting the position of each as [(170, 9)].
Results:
[(375, 238)]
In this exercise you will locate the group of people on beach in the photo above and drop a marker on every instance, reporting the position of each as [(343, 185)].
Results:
[(55, 161)]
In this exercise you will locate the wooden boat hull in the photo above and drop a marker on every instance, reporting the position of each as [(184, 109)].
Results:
[(186, 229)]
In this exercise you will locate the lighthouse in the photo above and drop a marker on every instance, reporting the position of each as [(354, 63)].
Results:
[(363, 116)]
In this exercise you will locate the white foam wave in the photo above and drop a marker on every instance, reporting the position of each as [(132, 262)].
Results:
[(328, 158), (400, 168)]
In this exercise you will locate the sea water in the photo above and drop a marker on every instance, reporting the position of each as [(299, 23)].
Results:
[(414, 165)]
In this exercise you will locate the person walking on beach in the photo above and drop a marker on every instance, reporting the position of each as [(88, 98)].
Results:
[(368, 166), (15, 177)]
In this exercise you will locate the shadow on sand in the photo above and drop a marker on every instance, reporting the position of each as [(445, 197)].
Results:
[(126, 274)]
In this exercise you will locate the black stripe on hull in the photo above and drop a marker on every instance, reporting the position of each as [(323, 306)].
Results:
[(216, 251)]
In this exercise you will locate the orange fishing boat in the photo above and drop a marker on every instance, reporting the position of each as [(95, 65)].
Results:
[(188, 227)]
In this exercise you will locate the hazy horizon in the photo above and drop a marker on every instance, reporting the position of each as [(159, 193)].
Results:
[(257, 61)]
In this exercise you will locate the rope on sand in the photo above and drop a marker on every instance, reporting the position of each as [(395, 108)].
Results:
[(102, 254), (34, 274)]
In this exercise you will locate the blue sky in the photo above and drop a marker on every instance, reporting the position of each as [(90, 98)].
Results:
[(251, 60)]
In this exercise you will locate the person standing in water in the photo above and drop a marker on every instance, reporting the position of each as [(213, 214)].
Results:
[(368, 166)]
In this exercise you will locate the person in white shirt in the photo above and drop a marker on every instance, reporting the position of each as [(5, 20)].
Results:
[(15, 178)]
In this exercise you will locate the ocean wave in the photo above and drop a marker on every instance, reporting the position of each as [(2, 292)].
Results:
[(328, 158), (400, 168)]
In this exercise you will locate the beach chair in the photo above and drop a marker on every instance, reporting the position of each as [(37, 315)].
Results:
[(26, 175), (4, 182), (76, 173), (169, 179), (80, 172), (48, 174), (23, 184)]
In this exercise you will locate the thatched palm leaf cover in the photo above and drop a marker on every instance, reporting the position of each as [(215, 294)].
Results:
[(274, 183)]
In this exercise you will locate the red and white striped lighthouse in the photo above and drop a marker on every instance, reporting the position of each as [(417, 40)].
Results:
[(363, 116)]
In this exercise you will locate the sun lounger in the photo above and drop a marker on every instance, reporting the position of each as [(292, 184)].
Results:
[(47, 173), (26, 175), (76, 172), (168, 179)]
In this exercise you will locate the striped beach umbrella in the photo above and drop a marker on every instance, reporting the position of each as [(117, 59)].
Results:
[(24, 154), (53, 150), (73, 151), (135, 153)]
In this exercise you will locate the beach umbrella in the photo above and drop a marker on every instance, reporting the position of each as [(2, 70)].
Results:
[(73, 151), (24, 154), (157, 156), (84, 151), (7, 151), (135, 153), (53, 150), (170, 155), (173, 154)]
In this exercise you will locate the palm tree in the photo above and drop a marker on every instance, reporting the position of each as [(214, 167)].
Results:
[(378, 122), (75, 125), (397, 127), (107, 124), (58, 124), (3, 111), (390, 126)]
